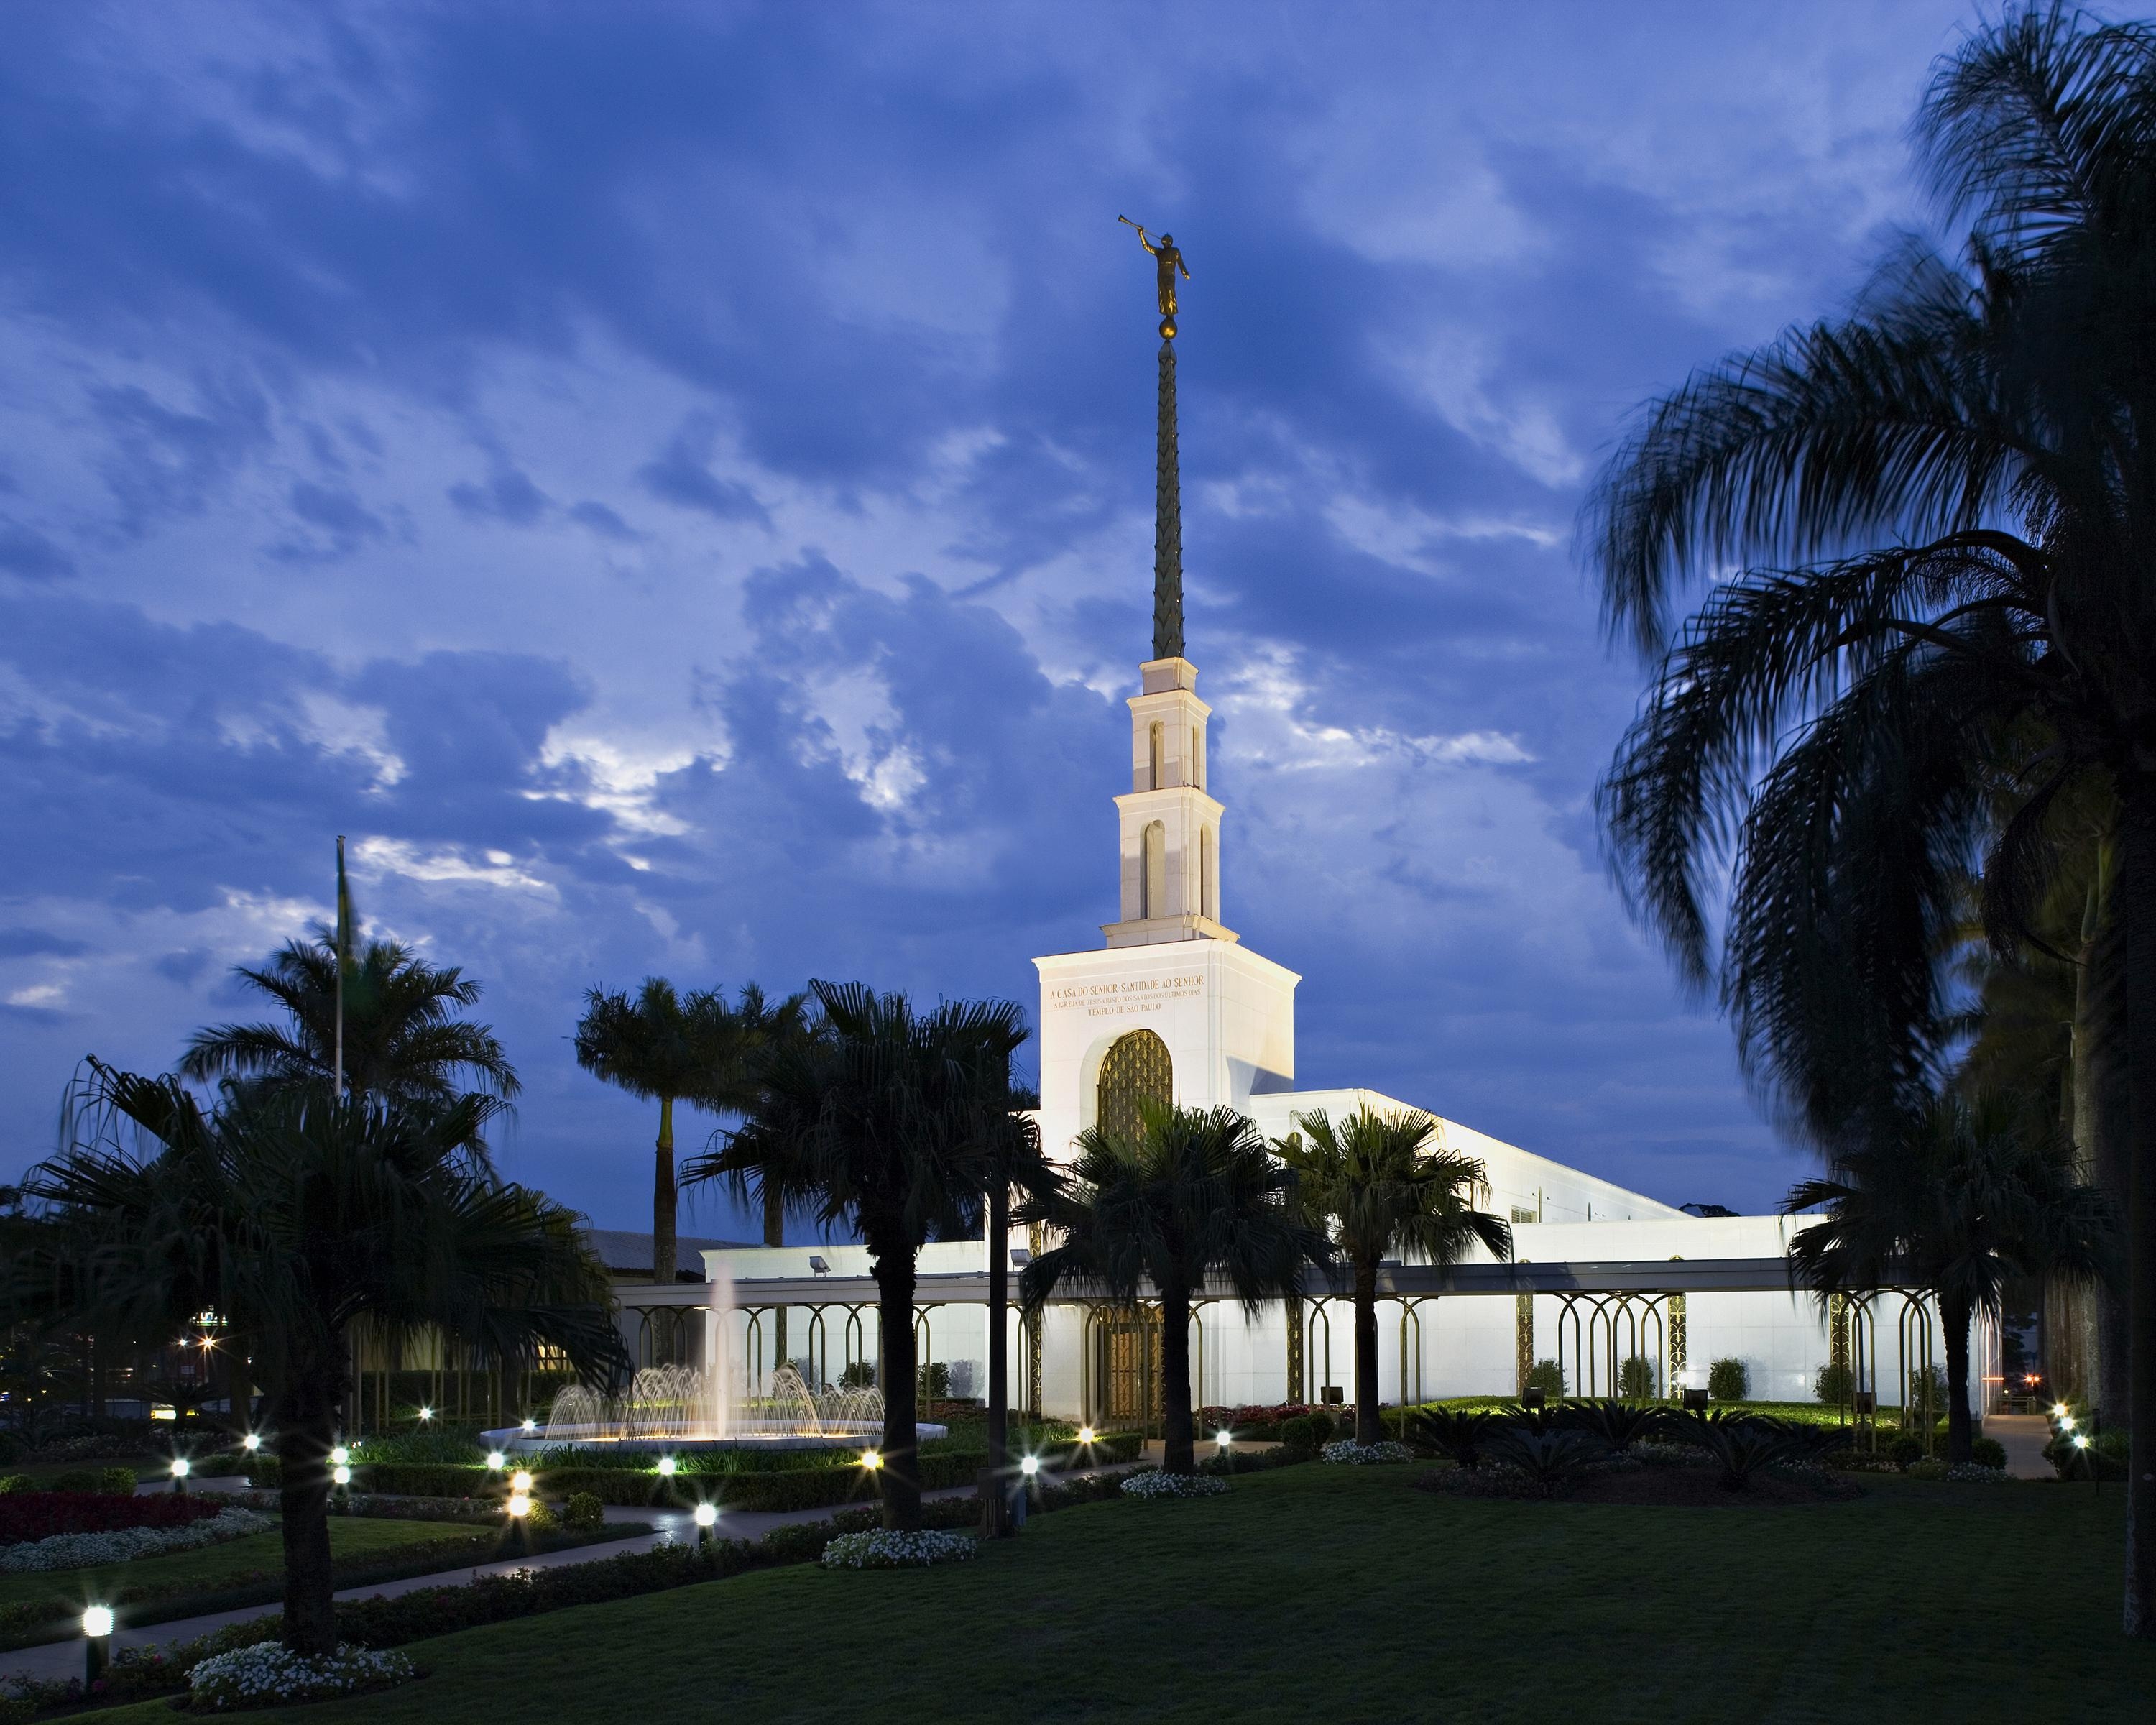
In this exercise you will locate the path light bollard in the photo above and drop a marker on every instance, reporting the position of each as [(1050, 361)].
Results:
[(96, 1643), (180, 1475), (707, 1517)]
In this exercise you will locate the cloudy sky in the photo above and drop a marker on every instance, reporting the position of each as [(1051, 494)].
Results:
[(674, 484)]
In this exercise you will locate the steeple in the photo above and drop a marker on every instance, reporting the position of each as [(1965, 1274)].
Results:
[(1170, 826)]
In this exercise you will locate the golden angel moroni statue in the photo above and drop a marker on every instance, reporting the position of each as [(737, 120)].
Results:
[(1170, 256)]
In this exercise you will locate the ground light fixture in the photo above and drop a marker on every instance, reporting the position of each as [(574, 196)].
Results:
[(180, 1473), (426, 1413), (2066, 1422), (667, 1465), (1223, 1439), (871, 1460), (495, 1460), (96, 1643), (340, 1474), (251, 1442), (531, 1426), (1029, 1466), (339, 1454), (2058, 1410), (519, 1506), (1085, 1435), (706, 1517), (520, 1483)]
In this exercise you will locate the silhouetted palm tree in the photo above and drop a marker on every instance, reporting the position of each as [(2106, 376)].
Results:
[(1968, 1193), (1939, 513), (1380, 1186), (889, 1124), (403, 1037), (1195, 1195), (294, 1216), (668, 1048)]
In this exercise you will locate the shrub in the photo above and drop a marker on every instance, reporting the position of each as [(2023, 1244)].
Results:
[(1302, 1433), (40, 1514), (1926, 1467), (1619, 1424), (1349, 1453), (933, 1384), (1728, 1380), (1927, 1391), (584, 1513), (1635, 1377), (1741, 1443), (426, 1479), (120, 1545), (1548, 1376), (859, 1375), (1835, 1386), (14, 1482), (1549, 1458), (84, 1480), (1153, 1484), (1905, 1451), (885, 1548), (1457, 1434), (267, 1674), (1988, 1452), (1229, 1461), (455, 1446)]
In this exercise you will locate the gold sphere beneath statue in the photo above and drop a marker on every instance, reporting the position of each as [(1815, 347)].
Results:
[(1167, 329)]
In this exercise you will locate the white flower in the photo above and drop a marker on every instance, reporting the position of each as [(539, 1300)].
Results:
[(1154, 1483), (1347, 1451), (79, 1550), (883, 1548), (1975, 1473), (269, 1672)]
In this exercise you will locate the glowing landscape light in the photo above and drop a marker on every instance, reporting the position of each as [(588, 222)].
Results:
[(667, 1465), (341, 1455), (519, 1506), (1029, 1466), (520, 1482), (97, 1621), (341, 1474), (496, 1461), (871, 1460), (181, 1467), (251, 1442), (1085, 1435), (707, 1515)]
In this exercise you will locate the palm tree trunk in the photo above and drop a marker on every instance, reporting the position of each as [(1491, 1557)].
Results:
[(995, 1518), (774, 1218), (1954, 1315), (1367, 1429), (663, 1266), (305, 1429), (2138, 896), (901, 1459), (1178, 1429)]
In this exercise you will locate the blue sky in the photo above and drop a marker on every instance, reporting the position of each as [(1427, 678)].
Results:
[(674, 484)]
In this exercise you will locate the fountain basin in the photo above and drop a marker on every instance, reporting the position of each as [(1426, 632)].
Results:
[(516, 1441)]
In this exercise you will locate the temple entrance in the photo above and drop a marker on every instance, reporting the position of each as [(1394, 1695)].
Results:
[(1126, 1367), (1138, 1070)]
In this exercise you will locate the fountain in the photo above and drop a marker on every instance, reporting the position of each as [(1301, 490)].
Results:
[(712, 1407)]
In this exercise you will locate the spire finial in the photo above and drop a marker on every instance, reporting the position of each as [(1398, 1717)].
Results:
[(1167, 482)]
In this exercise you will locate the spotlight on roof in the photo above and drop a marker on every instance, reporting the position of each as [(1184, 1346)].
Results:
[(819, 1263)]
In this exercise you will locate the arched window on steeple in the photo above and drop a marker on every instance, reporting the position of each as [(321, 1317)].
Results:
[(1156, 779), (1152, 876)]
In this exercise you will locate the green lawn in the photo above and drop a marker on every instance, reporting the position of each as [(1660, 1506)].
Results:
[(1315, 1593), (356, 1543)]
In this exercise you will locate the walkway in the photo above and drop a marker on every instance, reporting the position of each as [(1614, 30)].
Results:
[(63, 1659), (2023, 1437)]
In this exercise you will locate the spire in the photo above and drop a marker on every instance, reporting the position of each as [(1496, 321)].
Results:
[(1168, 515)]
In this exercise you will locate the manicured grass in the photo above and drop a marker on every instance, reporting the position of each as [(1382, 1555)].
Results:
[(354, 1544), (1333, 1593)]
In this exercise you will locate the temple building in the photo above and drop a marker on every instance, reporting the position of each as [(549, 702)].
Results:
[(1172, 1005)]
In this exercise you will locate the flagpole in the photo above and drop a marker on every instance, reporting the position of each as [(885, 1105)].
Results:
[(343, 937)]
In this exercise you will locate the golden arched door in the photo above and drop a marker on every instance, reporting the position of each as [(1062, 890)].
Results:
[(1136, 1069)]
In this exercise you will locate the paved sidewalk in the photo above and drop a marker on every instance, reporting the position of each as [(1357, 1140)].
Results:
[(63, 1659), (2023, 1437)]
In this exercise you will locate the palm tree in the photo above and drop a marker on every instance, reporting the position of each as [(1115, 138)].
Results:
[(1938, 510), (294, 1215), (1016, 1165), (671, 1048), (887, 1124), (1968, 1193), (401, 1034), (1380, 1187), (1196, 1194)]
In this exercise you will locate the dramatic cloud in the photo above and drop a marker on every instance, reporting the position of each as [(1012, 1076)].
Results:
[(673, 486)]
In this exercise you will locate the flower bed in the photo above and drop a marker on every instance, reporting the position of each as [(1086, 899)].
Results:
[(39, 1515), (121, 1545), (883, 1549), (1154, 1483), (1348, 1453), (267, 1674)]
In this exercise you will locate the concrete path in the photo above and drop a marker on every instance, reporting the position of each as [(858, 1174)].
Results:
[(65, 1659), (2023, 1437)]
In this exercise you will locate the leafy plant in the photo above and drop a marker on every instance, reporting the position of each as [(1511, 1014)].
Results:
[(1550, 1458), (1619, 1424), (859, 1374), (1728, 1380), (1548, 1376), (1457, 1434), (1741, 1443), (935, 1382), (583, 1513), (1835, 1386), (1635, 1377), (1986, 1452), (1904, 1451)]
